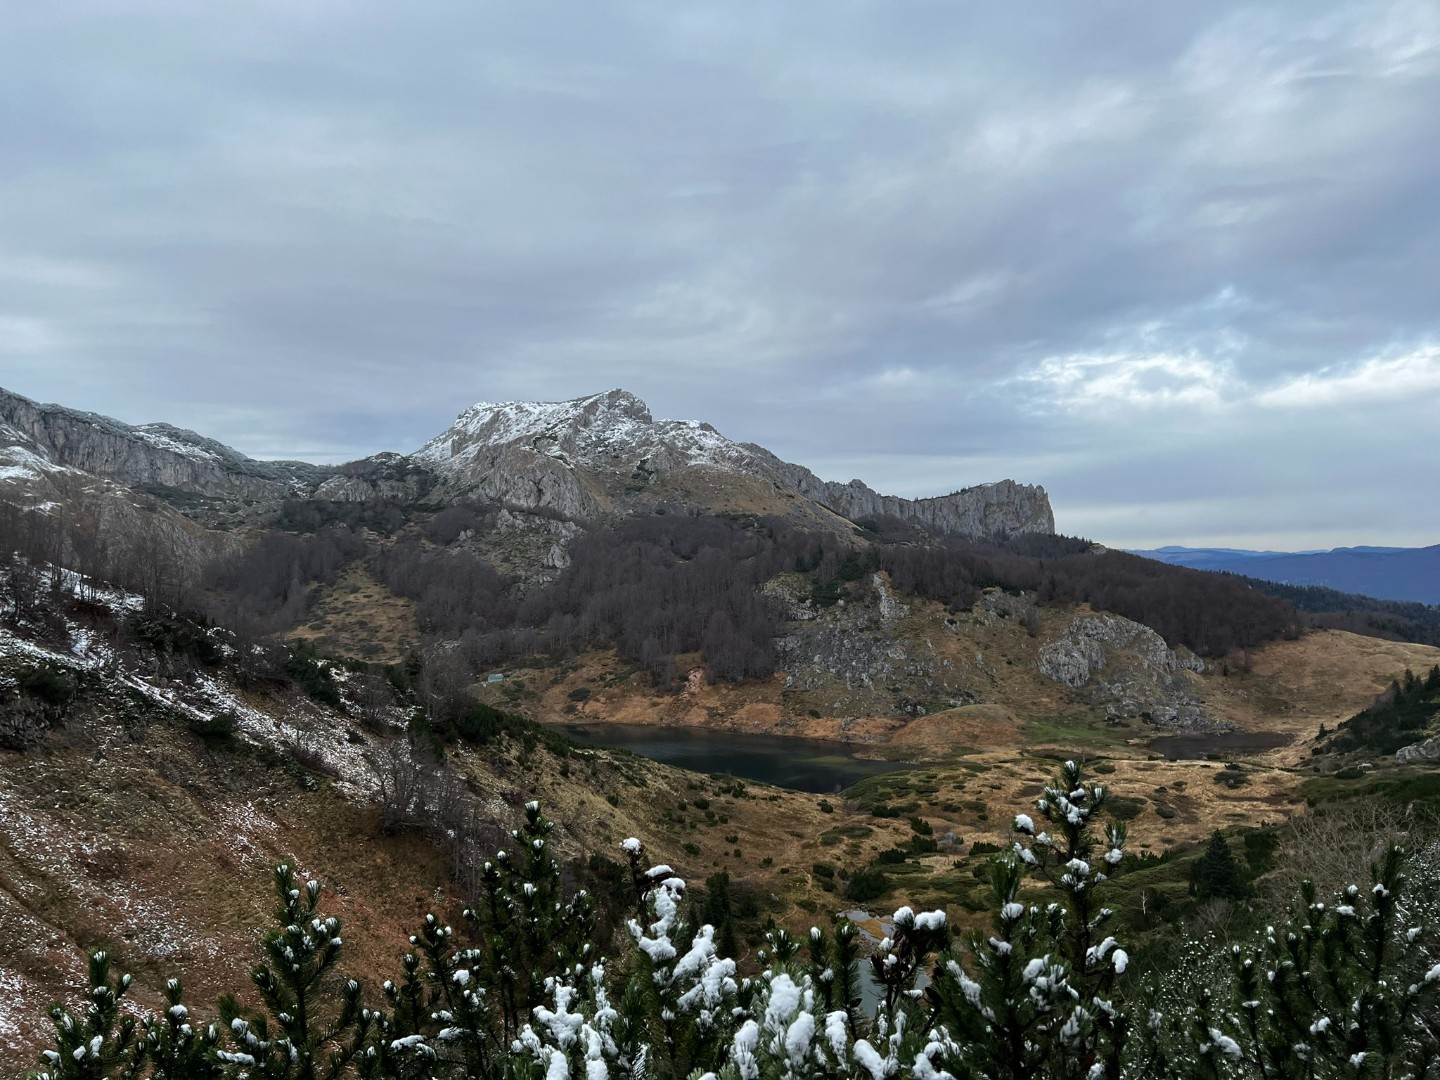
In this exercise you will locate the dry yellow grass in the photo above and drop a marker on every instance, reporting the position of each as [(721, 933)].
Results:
[(358, 616)]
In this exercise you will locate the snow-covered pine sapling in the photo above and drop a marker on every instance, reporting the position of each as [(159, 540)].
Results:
[(405, 1042), (998, 1007), (174, 1045), (1067, 855), (1035, 996), (900, 957), (677, 1009), (835, 970), (1344, 989), (98, 1042), (319, 1023), (530, 931)]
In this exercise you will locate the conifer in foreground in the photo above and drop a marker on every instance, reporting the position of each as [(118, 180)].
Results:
[(1342, 990)]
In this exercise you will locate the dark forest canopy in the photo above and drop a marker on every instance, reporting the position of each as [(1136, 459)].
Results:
[(656, 587), (1396, 620)]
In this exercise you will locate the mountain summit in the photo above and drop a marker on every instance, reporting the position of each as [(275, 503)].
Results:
[(609, 432)]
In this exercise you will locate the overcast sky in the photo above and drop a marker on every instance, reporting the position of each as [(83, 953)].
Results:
[(1180, 263)]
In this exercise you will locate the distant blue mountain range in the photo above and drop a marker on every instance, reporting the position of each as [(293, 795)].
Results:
[(1389, 573)]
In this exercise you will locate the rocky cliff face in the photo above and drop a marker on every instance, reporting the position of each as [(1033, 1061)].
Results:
[(383, 477), (1419, 753), (147, 456), (1126, 668), (984, 510)]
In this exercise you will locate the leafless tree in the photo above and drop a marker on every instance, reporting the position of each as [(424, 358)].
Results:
[(1333, 845), (406, 776)]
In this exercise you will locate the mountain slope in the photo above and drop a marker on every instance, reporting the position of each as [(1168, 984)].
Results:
[(145, 456)]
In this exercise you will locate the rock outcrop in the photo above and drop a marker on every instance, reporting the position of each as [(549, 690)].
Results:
[(995, 509), (1419, 753), (852, 660), (384, 477), (1126, 668)]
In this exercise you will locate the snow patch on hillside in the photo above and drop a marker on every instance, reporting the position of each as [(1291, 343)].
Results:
[(19, 465), (205, 694), (162, 440)]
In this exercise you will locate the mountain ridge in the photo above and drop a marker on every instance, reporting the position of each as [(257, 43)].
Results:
[(1386, 573), (583, 458)]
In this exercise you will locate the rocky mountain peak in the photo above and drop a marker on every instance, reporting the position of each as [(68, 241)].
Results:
[(590, 454), (613, 431)]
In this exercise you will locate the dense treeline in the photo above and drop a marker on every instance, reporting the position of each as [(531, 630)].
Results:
[(657, 586), (266, 588), (83, 551), (1399, 716), (652, 588), (1209, 613), (1396, 620)]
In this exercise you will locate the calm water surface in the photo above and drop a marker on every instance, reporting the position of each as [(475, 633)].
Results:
[(1200, 745), (801, 764)]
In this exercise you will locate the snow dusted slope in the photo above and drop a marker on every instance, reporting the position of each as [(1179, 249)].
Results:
[(581, 459), (592, 454), (148, 456)]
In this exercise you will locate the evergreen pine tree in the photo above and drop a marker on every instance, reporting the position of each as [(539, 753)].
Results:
[(1037, 995), (99, 1042), (1217, 874), (1342, 990), (319, 1023)]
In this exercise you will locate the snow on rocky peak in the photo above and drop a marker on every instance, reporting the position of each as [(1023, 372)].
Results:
[(176, 441), (613, 431)]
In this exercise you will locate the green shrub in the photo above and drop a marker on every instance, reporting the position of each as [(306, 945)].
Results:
[(866, 885), (1124, 808)]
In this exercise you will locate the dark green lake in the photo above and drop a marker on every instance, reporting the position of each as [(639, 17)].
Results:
[(1198, 746), (801, 764)]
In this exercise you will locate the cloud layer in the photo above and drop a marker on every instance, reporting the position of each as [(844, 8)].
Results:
[(1177, 263)]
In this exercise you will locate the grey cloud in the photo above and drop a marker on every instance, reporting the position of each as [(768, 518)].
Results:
[(848, 231)]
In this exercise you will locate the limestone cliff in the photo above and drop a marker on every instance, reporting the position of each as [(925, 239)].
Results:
[(983, 510), (147, 456)]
